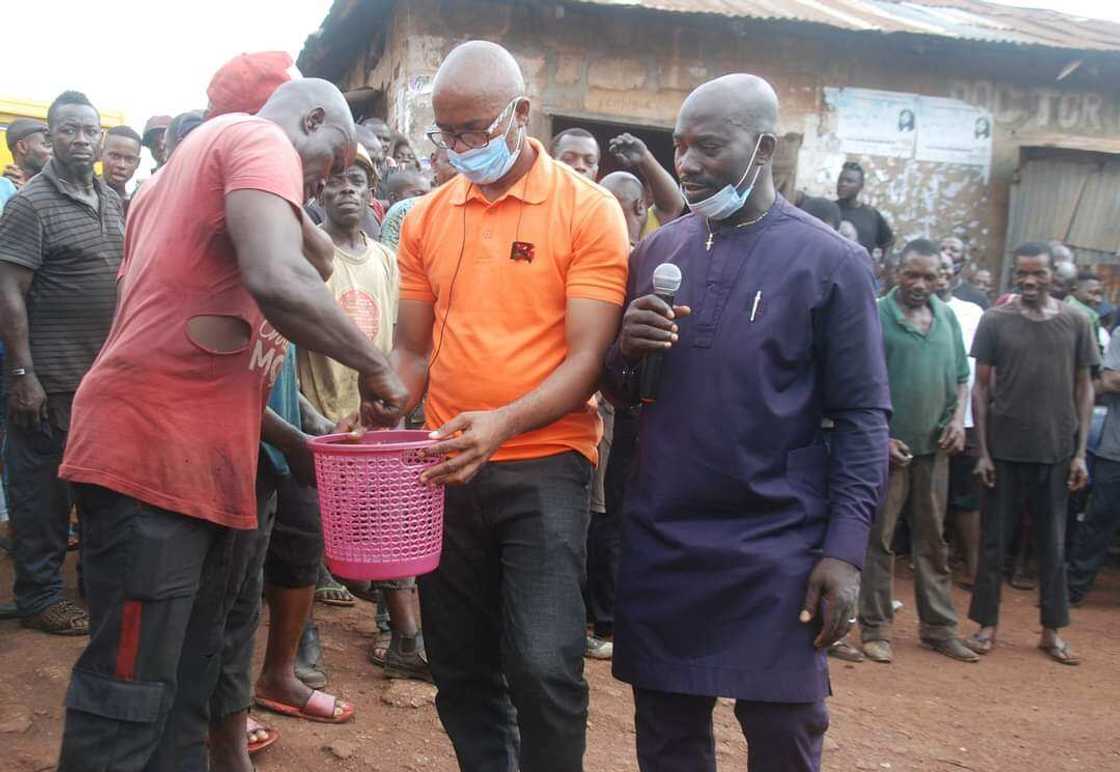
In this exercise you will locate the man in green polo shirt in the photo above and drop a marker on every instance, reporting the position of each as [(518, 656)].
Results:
[(928, 372)]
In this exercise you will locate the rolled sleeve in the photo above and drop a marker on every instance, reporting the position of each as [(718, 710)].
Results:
[(857, 399), (598, 269), (21, 234)]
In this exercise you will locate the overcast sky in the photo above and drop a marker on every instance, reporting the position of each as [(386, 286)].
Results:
[(143, 58)]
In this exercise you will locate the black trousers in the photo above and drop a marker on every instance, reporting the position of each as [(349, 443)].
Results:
[(604, 534), (157, 584), (504, 616), (1044, 488), (674, 733), (1095, 535), (39, 508)]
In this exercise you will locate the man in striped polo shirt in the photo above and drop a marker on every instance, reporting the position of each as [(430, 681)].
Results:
[(61, 241)]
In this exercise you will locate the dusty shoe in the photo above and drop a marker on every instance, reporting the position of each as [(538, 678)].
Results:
[(406, 658), (309, 658), (61, 618), (953, 648), (598, 648), (878, 651), (845, 651)]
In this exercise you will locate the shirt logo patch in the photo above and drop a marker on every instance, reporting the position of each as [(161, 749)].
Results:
[(363, 311)]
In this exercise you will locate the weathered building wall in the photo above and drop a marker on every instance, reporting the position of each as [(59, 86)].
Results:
[(634, 67)]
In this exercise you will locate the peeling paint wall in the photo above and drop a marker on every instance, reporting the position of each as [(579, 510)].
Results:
[(626, 66)]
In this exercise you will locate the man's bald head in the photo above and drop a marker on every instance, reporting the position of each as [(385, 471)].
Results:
[(624, 185), (630, 193), (316, 118), (1060, 253), (479, 70), (746, 101), (406, 183), (381, 129), (368, 139)]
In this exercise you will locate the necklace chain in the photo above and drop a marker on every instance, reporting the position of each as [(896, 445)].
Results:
[(712, 235)]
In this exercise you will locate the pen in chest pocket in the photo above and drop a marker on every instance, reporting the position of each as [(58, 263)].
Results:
[(756, 304)]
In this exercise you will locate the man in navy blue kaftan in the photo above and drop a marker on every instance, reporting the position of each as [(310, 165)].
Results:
[(762, 461)]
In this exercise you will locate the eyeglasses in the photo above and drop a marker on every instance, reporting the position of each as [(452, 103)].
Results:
[(473, 138)]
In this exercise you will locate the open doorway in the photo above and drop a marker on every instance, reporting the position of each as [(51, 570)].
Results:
[(659, 141)]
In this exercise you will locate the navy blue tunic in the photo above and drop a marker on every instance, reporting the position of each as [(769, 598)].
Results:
[(737, 491)]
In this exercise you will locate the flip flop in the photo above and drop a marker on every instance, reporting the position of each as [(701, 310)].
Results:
[(252, 725), (1061, 653), (319, 707), (980, 645), (334, 594)]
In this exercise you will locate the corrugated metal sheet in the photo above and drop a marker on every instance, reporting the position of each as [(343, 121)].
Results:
[(958, 19)]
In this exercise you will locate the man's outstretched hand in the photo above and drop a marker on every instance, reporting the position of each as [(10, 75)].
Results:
[(832, 595), (472, 438), (384, 399)]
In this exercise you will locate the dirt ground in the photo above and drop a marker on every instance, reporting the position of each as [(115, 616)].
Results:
[(1015, 710)]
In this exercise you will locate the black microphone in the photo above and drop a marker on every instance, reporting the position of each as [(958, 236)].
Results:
[(666, 281)]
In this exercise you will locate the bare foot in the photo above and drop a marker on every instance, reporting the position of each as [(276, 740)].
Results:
[(982, 640)]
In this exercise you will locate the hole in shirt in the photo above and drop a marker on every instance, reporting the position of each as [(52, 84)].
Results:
[(218, 334)]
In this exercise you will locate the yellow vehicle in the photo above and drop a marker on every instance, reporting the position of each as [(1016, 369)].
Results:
[(10, 109)]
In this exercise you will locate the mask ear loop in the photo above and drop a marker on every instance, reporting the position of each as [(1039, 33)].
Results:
[(520, 129), (754, 155)]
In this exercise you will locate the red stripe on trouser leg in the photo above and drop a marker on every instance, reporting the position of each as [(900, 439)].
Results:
[(128, 647)]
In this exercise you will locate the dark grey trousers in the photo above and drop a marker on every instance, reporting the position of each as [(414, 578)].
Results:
[(504, 616)]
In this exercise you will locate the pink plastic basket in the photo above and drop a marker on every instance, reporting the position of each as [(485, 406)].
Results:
[(379, 520)]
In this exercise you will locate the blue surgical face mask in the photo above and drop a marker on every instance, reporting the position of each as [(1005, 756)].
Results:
[(728, 201), (487, 164)]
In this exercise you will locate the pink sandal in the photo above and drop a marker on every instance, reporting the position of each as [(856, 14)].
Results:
[(319, 707)]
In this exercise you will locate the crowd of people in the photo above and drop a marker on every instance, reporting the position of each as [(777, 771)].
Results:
[(287, 272)]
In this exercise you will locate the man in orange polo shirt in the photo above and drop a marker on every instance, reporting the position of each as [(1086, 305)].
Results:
[(512, 280)]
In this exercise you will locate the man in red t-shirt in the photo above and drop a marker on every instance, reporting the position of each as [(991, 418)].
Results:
[(166, 425)]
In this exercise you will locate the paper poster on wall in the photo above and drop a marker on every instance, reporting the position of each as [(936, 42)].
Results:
[(874, 122), (953, 132)]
